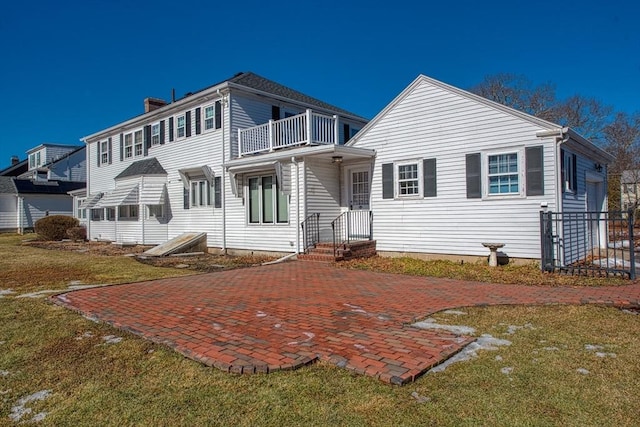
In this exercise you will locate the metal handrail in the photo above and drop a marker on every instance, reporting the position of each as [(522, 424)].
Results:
[(310, 231), (351, 226)]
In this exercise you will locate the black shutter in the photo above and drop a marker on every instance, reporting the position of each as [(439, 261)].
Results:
[(218, 115), (110, 150), (198, 121), (474, 178), (562, 171), (534, 170), (186, 202), (99, 144), (429, 178), (187, 119), (574, 172), (345, 131), (161, 131), (121, 147), (387, 181), (217, 192), (275, 112), (170, 129), (147, 139)]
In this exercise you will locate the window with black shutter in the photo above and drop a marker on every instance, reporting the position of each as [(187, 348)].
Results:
[(535, 171)]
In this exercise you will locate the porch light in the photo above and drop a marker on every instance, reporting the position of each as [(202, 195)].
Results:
[(336, 159), (598, 167)]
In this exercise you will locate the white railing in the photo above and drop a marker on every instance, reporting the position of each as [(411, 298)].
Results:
[(306, 128)]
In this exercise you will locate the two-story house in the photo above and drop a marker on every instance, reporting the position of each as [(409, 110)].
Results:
[(245, 160), (52, 172)]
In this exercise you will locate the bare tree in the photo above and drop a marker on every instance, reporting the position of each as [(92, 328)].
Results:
[(622, 138), (586, 115), (516, 91)]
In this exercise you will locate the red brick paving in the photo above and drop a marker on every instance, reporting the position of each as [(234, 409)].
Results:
[(287, 315)]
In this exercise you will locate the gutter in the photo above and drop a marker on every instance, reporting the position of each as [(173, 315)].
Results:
[(561, 137)]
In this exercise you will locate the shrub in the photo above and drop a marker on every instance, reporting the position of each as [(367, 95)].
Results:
[(55, 227), (77, 233)]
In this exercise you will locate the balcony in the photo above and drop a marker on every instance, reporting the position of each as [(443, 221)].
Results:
[(308, 128)]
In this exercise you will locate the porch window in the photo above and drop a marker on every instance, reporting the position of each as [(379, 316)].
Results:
[(155, 134), (408, 179), (181, 126), (110, 213), (97, 214), (80, 213), (502, 173), (128, 212), (155, 211), (128, 146), (200, 193), (137, 140), (267, 203)]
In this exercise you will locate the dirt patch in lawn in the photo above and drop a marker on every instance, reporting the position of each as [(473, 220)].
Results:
[(203, 262)]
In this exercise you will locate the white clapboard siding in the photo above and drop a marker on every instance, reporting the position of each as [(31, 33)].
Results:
[(8, 212), (431, 122), (323, 194), (36, 206), (70, 168)]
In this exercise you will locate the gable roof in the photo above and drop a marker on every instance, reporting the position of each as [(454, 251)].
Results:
[(7, 186), (491, 104), (149, 166)]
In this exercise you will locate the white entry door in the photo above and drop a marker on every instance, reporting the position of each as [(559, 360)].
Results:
[(359, 189)]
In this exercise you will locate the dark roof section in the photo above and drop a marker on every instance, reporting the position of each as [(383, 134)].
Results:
[(6, 185), (27, 186), (257, 82), (15, 170), (143, 167)]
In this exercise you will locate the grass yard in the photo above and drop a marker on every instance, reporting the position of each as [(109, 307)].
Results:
[(565, 366)]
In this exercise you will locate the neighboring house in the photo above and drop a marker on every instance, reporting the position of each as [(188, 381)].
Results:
[(454, 170), (630, 189), (53, 171), (260, 167), (16, 168), (220, 161)]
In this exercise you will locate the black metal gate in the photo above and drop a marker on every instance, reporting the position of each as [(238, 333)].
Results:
[(589, 243)]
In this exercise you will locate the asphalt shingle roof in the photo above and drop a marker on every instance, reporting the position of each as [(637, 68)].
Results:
[(24, 186), (7, 186), (143, 167)]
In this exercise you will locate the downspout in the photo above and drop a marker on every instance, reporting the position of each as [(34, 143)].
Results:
[(142, 209), (87, 186), (20, 204), (294, 161), (561, 138), (223, 191)]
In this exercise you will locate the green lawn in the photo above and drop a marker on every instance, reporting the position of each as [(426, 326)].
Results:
[(134, 382)]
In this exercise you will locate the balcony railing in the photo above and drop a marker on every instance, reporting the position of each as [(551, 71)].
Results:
[(304, 129)]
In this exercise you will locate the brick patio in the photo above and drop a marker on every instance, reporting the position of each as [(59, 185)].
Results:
[(287, 315)]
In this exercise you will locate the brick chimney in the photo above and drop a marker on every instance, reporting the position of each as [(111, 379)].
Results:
[(151, 104), (14, 160)]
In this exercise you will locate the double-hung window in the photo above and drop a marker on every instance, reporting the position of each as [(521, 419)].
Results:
[(104, 152), (181, 126), (128, 146), (155, 134), (267, 203), (209, 117), (408, 179), (137, 142), (80, 213), (201, 193), (503, 173)]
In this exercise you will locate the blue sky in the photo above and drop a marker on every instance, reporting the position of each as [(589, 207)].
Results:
[(72, 68)]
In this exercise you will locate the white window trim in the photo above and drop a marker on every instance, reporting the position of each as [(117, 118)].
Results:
[(396, 179), (184, 126), (128, 216), (155, 136), (519, 151), (103, 146), (213, 118), (196, 196), (276, 193), (128, 145), (136, 144), (151, 215)]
